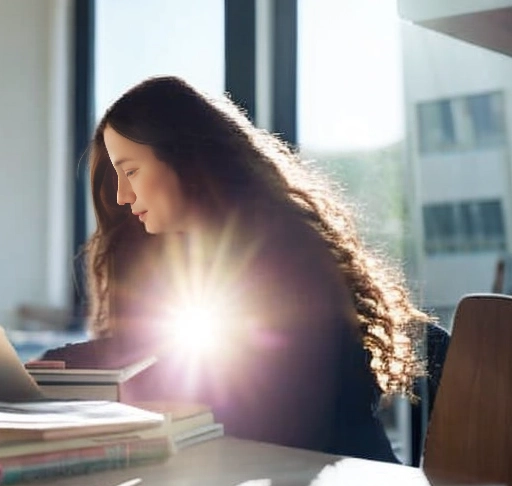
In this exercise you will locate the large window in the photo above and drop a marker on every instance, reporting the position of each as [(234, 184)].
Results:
[(468, 226), (462, 123)]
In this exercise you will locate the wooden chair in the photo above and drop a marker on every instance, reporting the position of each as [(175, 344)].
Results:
[(469, 436)]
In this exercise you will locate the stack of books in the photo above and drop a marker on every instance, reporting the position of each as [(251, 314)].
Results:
[(62, 438), (186, 423), (43, 437)]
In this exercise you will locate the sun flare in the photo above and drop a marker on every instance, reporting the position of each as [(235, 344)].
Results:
[(197, 328)]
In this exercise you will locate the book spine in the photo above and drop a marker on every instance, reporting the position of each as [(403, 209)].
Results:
[(187, 439), (72, 462)]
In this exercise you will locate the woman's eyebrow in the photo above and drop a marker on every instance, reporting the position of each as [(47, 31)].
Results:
[(117, 163)]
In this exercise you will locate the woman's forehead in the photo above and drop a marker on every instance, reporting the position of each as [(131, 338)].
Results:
[(121, 149)]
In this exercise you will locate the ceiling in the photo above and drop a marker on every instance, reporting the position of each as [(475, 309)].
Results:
[(490, 28)]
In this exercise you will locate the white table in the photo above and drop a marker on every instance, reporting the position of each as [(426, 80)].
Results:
[(228, 462)]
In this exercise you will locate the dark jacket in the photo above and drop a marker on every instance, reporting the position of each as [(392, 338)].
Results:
[(305, 388), (292, 372)]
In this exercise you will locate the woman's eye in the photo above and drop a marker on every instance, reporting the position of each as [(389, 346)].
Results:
[(130, 173)]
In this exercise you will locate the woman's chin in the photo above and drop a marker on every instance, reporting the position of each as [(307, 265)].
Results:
[(150, 229)]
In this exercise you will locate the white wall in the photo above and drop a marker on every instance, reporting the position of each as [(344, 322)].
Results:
[(34, 87)]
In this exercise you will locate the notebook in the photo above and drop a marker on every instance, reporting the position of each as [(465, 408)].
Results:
[(16, 384)]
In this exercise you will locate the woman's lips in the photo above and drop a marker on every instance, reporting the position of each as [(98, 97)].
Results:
[(141, 216)]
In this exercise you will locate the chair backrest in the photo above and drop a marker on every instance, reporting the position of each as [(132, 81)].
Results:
[(469, 436)]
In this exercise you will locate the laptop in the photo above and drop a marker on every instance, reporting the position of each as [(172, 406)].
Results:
[(16, 384)]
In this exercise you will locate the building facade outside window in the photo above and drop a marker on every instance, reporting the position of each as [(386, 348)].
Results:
[(460, 227), (461, 123)]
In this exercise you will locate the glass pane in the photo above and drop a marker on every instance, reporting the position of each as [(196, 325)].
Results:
[(436, 127), (140, 38), (440, 228), (492, 218), (468, 221), (348, 122), (464, 227), (487, 118)]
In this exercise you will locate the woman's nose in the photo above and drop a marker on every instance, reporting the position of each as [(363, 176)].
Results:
[(125, 194)]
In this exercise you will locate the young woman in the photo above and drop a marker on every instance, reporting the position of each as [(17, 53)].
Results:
[(209, 226)]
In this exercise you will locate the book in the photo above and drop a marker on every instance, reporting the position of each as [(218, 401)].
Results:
[(87, 384), (177, 410), (184, 424), (102, 453), (52, 420), (66, 462), (187, 423), (82, 391), (31, 447), (54, 375), (187, 418), (180, 417), (198, 434)]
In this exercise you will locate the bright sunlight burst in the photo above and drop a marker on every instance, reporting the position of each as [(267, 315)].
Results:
[(197, 329)]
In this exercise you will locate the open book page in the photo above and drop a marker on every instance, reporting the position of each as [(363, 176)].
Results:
[(45, 420), (16, 384)]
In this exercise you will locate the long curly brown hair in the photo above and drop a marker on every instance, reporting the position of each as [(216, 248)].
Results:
[(224, 162)]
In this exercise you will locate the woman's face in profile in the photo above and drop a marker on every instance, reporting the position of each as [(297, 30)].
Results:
[(150, 186)]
